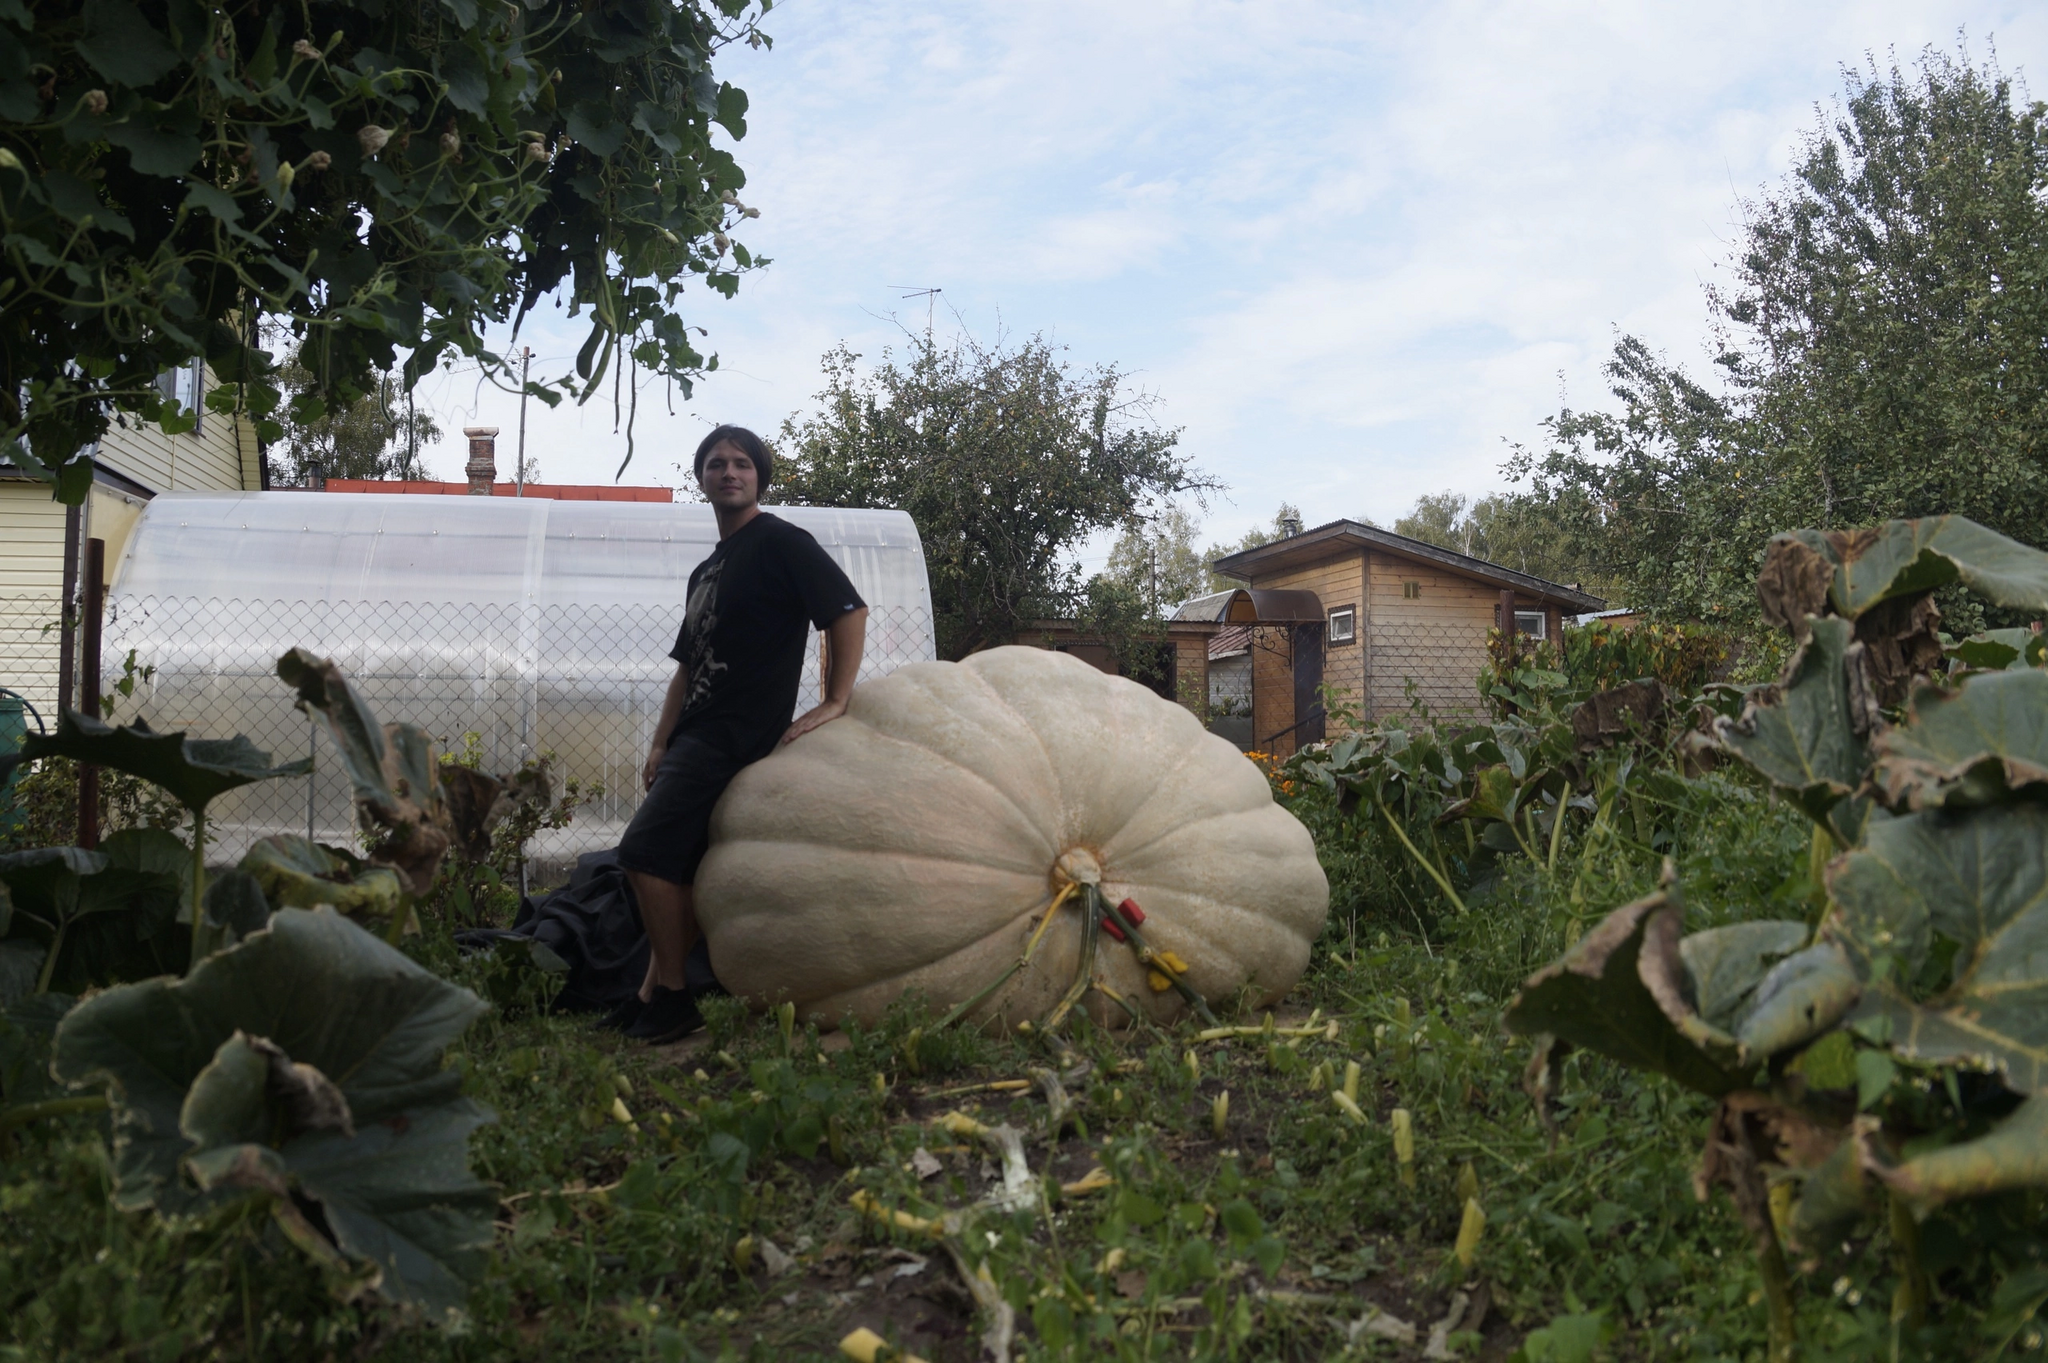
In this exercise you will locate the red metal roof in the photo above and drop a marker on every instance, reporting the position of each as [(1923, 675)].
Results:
[(557, 492)]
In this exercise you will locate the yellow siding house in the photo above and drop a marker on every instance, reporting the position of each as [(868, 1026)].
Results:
[(131, 464)]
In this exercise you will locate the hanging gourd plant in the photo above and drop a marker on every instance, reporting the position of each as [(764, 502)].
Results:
[(1826, 1043), (964, 816)]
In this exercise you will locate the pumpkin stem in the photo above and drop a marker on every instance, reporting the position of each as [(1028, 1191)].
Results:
[(1084, 972)]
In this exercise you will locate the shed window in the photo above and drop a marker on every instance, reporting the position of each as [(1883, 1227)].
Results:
[(1343, 625), (1531, 624), (1411, 591)]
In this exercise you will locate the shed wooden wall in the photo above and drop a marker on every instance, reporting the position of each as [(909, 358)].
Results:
[(1437, 640)]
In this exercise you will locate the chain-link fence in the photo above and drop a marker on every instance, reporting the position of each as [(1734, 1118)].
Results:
[(581, 684), (30, 642)]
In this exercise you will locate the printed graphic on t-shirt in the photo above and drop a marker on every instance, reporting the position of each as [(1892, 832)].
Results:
[(700, 619)]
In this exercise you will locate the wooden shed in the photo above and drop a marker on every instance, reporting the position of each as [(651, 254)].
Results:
[(1182, 647), (1371, 613)]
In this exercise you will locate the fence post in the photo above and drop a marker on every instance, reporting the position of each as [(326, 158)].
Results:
[(67, 610), (89, 684), (312, 733)]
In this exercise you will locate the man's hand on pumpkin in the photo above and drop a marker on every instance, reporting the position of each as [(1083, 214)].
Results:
[(811, 719)]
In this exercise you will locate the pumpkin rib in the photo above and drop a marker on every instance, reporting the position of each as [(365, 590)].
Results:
[(1164, 791), (1124, 854), (763, 939), (1115, 688), (1030, 728), (1196, 947), (958, 765), (896, 986)]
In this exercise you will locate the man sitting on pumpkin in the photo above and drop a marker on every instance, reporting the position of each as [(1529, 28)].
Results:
[(739, 659)]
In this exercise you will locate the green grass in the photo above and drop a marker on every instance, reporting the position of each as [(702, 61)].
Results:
[(619, 1242)]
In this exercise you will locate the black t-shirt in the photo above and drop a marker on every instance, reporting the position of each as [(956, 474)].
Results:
[(744, 638)]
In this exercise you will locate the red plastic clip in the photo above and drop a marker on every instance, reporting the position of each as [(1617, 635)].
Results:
[(1131, 912)]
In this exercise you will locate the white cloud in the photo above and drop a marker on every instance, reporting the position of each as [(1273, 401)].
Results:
[(1352, 247)]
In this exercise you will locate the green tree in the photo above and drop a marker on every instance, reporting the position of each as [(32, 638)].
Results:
[(1515, 532), (1880, 346), (1007, 457), (378, 435), (1157, 559), (180, 177), (1287, 515)]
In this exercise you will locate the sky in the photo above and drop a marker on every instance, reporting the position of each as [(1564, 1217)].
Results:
[(1355, 250)]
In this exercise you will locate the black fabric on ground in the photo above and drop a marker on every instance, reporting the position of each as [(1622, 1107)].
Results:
[(593, 924)]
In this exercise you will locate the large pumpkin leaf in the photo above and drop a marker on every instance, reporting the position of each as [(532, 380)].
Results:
[(400, 1194), (236, 906), (1996, 650), (130, 913), (298, 872), (1907, 558), (1804, 995), (21, 965), (1597, 997), (391, 767), (2012, 1155), (320, 994), (111, 915), (192, 770), (1974, 884), (27, 1028), (1975, 745), (1799, 733), (1725, 965)]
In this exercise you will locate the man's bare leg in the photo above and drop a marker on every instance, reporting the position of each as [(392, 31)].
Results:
[(668, 912)]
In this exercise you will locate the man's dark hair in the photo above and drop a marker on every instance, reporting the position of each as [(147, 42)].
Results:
[(748, 444)]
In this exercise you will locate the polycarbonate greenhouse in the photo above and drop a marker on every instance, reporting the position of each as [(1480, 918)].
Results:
[(523, 626)]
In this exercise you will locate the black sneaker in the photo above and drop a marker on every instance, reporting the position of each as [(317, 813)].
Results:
[(624, 1015), (669, 1016)]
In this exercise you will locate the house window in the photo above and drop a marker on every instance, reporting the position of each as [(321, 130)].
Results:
[(1343, 625), (1411, 591), (186, 386), (1531, 624)]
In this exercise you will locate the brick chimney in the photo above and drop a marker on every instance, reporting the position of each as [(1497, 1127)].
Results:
[(482, 467)]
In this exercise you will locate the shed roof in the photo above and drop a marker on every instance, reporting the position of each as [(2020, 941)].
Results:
[(1250, 606), (1311, 546)]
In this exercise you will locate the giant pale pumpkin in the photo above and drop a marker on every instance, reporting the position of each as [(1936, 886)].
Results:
[(915, 843)]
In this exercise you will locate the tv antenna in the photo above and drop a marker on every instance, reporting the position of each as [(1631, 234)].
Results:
[(930, 297)]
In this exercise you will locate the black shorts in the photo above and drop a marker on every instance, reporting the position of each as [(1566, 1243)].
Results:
[(672, 829)]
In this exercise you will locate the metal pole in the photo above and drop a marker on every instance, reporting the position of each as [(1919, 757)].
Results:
[(89, 685), (519, 475), (67, 612), (312, 732)]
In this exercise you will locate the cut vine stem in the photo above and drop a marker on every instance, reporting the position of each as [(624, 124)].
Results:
[(1084, 970), (55, 1107), (969, 1004), (1783, 1332), (1443, 881)]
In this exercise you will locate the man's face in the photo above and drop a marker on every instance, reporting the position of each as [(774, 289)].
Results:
[(730, 479)]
